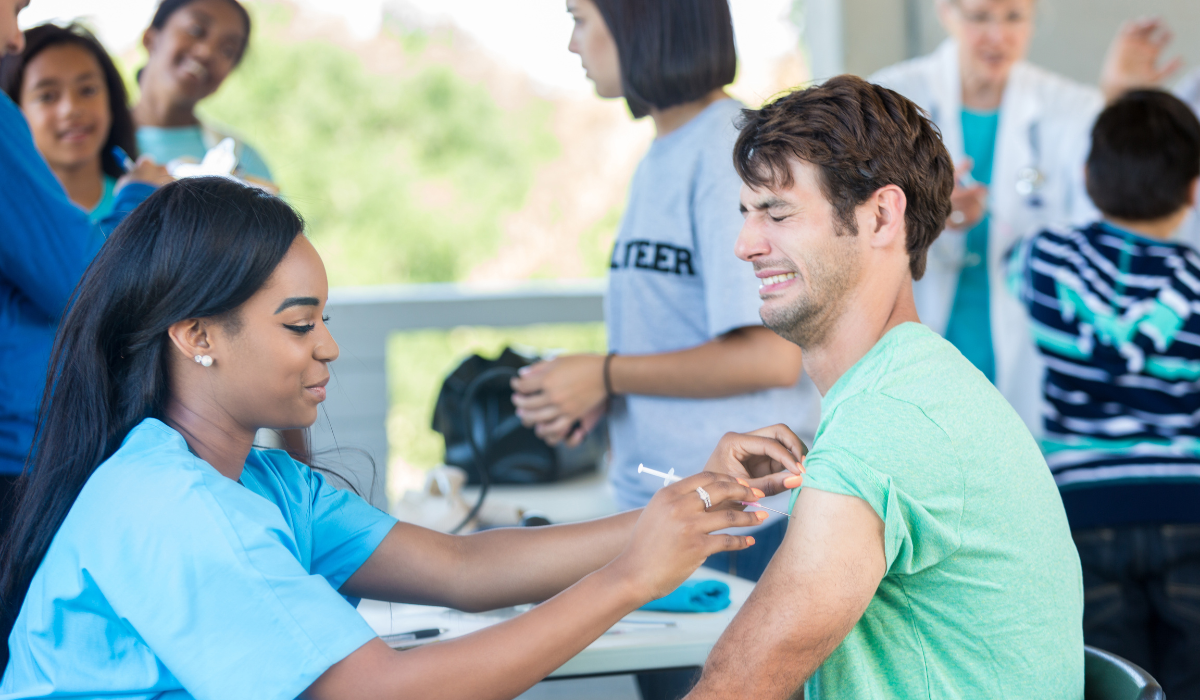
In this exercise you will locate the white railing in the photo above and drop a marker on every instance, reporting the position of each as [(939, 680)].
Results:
[(362, 318)]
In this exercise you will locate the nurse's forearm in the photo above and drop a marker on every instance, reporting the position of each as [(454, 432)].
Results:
[(741, 361), (490, 569), (498, 662), (510, 566)]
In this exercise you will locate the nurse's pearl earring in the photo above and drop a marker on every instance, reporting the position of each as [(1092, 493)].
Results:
[(204, 360)]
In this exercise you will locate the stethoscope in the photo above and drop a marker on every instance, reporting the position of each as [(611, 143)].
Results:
[(1030, 179)]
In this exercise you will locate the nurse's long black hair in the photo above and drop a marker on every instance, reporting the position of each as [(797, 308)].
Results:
[(196, 248)]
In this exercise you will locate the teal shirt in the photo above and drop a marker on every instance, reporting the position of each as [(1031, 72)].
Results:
[(107, 202), (187, 143), (168, 579), (983, 593), (970, 325)]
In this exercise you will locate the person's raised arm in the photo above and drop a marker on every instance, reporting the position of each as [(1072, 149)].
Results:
[(1134, 58), (46, 241), (810, 597), (553, 395), (670, 540)]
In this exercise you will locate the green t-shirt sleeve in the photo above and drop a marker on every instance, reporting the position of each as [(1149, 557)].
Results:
[(889, 454)]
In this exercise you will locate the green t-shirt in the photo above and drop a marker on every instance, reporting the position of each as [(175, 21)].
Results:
[(983, 595)]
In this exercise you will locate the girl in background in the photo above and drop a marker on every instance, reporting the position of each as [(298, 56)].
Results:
[(689, 358), (74, 100), (193, 45)]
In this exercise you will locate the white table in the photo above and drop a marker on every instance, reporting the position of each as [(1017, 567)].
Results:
[(627, 648)]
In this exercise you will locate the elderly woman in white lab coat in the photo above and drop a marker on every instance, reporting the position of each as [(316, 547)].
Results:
[(1019, 137)]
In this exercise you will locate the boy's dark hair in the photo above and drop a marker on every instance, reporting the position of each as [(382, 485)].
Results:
[(861, 137), (671, 51), (37, 39), (1145, 155)]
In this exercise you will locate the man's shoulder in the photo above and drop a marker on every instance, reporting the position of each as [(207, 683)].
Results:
[(877, 435), (925, 396)]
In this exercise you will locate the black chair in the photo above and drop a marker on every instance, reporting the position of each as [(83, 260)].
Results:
[(1109, 677)]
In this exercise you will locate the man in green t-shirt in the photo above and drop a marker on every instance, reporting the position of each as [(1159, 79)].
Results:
[(928, 555)]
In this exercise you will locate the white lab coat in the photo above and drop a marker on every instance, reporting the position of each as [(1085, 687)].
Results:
[(1045, 123)]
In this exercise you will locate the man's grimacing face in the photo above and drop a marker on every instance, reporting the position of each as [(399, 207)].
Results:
[(806, 260)]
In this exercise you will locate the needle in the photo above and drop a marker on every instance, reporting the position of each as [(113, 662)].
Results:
[(670, 477), (749, 503)]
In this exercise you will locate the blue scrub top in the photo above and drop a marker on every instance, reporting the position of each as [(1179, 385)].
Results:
[(970, 326), (167, 577)]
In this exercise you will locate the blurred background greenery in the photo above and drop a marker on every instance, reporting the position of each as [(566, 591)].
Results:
[(403, 176), (420, 155)]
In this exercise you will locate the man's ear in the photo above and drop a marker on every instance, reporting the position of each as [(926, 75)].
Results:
[(190, 337), (1194, 192), (888, 205)]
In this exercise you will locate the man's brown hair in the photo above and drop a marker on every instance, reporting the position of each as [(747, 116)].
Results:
[(861, 137)]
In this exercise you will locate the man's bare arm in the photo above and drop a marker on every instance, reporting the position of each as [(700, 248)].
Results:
[(810, 597)]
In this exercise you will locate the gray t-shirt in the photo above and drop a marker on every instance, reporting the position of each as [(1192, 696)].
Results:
[(675, 283)]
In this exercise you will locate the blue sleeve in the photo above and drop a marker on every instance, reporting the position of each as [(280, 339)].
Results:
[(128, 199), (346, 530), (215, 588), (47, 242)]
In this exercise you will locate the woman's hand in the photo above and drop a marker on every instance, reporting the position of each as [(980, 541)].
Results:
[(771, 458), (1133, 56), (554, 395), (968, 203), (671, 538), (146, 171)]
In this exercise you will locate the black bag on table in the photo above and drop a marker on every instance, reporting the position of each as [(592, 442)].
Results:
[(476, 416)]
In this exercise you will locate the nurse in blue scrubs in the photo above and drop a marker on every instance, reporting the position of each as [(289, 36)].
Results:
[(155, 551)]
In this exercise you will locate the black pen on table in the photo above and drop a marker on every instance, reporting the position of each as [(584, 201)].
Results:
[(413, 635)]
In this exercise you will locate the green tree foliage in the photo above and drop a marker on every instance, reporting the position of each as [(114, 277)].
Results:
[(403, 176)]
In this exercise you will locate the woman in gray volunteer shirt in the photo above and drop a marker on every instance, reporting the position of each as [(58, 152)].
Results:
[(689, 357)]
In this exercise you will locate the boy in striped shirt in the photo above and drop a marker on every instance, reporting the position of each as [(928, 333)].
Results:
[(1115, 313)]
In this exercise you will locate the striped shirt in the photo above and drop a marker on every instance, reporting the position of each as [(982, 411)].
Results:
[(1114, 316)]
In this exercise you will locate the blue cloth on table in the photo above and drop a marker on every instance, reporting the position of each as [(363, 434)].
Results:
[(693, 596)]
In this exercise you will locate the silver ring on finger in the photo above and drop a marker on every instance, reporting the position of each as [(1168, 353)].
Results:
[(704, 497), (957, 217)]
